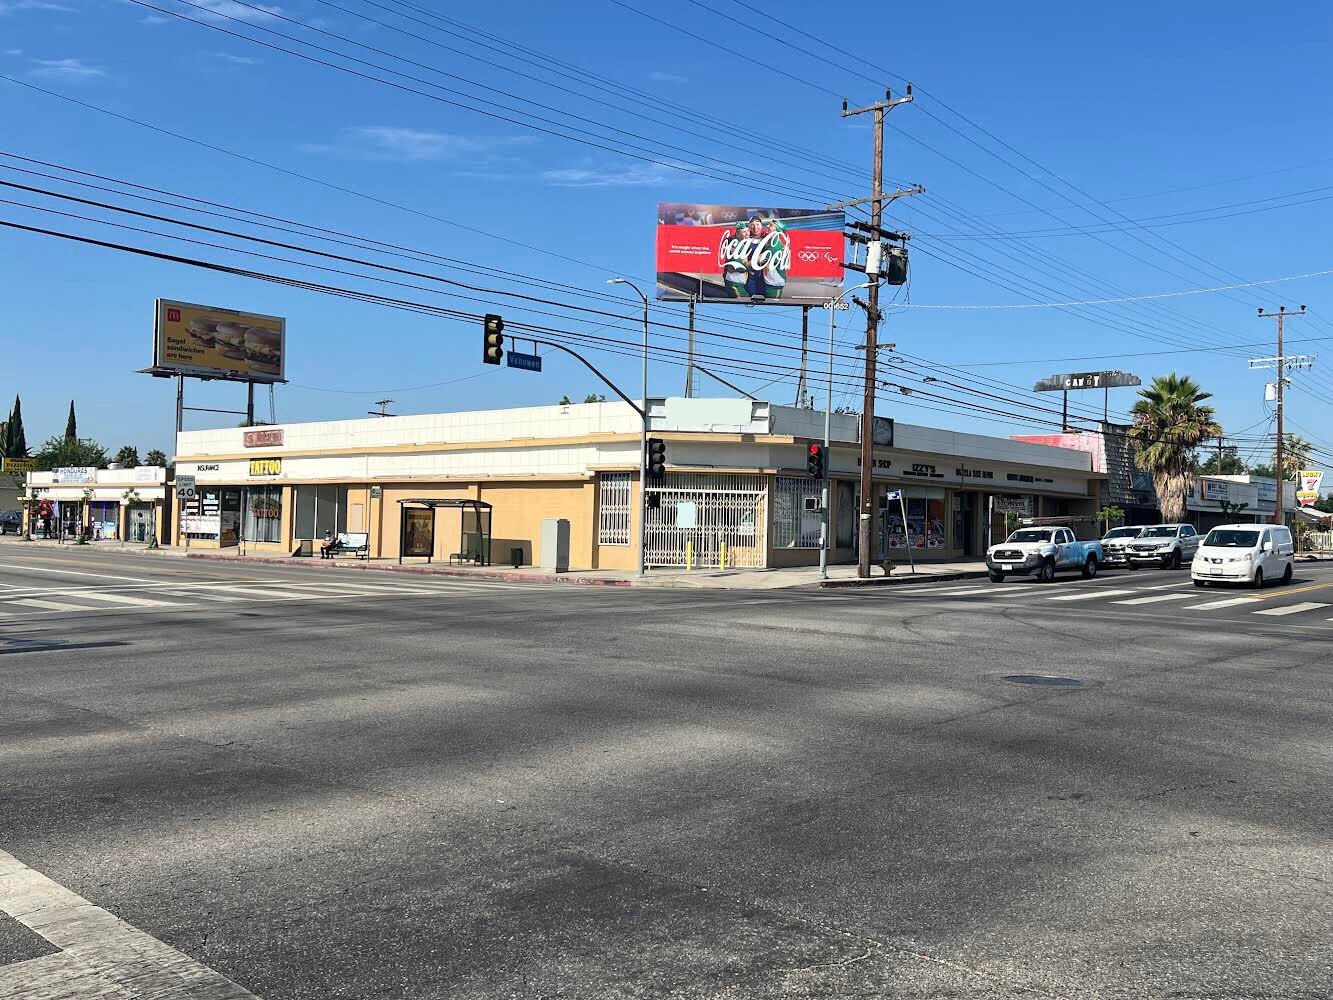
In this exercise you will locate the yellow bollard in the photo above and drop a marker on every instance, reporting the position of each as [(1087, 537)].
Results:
[(689, 555), (722, 555)]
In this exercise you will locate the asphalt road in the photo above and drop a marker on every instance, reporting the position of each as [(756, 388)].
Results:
[(332, 783)]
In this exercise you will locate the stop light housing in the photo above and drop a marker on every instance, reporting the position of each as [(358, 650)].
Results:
[(493, 339), (814, 460), (656, 458)]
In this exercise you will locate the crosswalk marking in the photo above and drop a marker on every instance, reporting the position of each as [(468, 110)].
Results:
[(1156, 598), (1230, 602), (1292, 609), (143, 602), (1089, 594), (33, 602)]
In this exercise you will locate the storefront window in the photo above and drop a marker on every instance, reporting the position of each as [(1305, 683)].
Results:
[(925, 528), (319, 509), (262, 514)]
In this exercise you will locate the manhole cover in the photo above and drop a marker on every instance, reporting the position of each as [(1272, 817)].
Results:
[(1045, 680)]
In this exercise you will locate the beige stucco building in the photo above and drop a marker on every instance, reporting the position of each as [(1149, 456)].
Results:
[(736, 487)]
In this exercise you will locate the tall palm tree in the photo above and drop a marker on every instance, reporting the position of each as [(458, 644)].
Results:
[(1295, 456), (1169, 423)]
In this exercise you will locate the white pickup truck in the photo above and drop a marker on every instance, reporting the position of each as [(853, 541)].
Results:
[(1042, 552)]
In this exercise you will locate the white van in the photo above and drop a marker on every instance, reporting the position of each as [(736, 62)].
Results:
[(1252, 554)]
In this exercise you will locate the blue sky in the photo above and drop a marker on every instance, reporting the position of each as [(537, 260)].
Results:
[(1154, 110)]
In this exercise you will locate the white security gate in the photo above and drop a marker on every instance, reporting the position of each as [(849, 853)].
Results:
[(713, 515)]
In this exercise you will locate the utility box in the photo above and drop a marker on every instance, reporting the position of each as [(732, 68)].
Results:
[(555, 544)]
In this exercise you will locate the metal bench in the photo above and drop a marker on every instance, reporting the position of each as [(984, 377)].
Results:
[(355, 542)]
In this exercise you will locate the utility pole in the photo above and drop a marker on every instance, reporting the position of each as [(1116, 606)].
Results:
[(689, 359), (1281, 363), (381, 403), (865, 532)]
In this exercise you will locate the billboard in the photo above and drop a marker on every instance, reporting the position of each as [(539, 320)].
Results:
[(1087, 380), (1307, 490), (753, 256), (17, 465), (212, 342)]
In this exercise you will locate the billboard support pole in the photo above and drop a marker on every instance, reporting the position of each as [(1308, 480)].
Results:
[(249, 404), (689, 360), (1064, 411), (805, 349), (180, 403)]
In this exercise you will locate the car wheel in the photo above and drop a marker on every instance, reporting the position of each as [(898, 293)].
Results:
[(1047, 572), (1200, 583), (1090, 568), (996, 577), (1175, 559), (1131, 564), (1286, 575), (1258, 579)]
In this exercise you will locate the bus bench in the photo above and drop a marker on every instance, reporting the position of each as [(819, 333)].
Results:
[(355, 542)]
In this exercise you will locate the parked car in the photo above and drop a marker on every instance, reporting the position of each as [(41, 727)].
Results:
[(1251, 554), (11, 522), (1168, 545), (1115, 545), (1042, 552)]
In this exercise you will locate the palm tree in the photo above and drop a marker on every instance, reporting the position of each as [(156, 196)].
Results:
[(1295, 456), (1169, 423)]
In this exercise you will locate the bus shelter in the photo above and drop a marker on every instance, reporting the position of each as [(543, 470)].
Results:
[(417, 523)]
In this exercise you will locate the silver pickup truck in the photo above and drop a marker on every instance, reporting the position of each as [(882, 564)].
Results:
[(1115, 545), (1042, 552)]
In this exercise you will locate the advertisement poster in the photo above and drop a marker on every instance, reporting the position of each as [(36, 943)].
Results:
[(73, 474), (1308, 482), (751, 256), (218, 343)]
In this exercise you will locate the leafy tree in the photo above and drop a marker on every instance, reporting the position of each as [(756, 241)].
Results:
[(14, 444), (1264, 470), (1325, 503), (71, 424), (157, 457), (1170, 422), (592, 397), (59, 452), (1228, 463), (128, 456), (565, 400), (1110, 513)]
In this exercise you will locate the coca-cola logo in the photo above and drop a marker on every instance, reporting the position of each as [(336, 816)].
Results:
[(773, 249)]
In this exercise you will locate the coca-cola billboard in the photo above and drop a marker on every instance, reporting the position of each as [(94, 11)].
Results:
[(754, 256)]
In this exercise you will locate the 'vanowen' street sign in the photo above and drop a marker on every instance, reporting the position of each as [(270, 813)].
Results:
[(528, 362)]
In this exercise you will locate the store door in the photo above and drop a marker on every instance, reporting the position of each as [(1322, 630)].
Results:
[(965, 524), (141, 523)]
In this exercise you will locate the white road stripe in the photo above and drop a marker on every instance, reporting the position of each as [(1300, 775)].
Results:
[(1156, 598), (1089, 594), (33, 602), (1230, 602), (1292, 609), (143, 602), (100, 955), (259, 592), (70, 572)]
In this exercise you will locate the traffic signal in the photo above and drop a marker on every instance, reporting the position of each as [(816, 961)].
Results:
[(493, 340), (814, 461), (656, 458)]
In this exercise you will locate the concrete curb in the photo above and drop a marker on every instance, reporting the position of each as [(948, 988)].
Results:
[(902, 581), (497, 575)]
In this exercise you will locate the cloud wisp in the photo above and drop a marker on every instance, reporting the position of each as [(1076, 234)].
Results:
[(72, 70), (398, 144)]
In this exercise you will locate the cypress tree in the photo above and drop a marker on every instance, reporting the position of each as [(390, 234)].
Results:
[(71, 425)]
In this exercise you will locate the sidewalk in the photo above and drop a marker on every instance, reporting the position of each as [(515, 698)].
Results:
[(702, 579)]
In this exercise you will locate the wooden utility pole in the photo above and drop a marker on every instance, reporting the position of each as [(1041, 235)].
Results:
[(865, 532), (1281, 364)]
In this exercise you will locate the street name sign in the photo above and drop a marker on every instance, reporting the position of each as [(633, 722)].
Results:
[(528, 362)]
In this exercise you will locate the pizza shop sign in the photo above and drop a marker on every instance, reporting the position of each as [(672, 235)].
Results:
[(267, 438)]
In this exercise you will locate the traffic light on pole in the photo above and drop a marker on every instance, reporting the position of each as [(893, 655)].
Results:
[(656, 458), (814, 461), (493, 342)]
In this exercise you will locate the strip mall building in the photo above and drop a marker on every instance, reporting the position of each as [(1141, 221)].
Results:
[(736, 485)]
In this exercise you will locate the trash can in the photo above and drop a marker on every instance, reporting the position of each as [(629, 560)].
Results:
[(516, 557)]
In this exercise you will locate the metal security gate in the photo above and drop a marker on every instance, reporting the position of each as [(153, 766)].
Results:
[(710, 514)]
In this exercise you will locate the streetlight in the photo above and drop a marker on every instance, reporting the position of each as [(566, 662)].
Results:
[(832, 308), (643, 434)]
